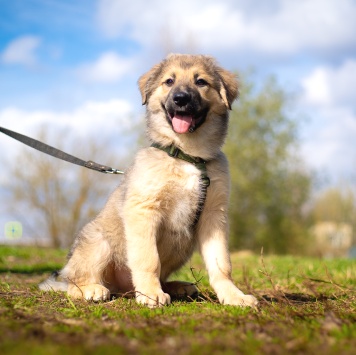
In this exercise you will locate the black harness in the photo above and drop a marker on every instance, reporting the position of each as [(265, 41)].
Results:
[(199, 163)]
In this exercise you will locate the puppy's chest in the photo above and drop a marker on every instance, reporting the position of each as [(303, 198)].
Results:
[(184, 194)]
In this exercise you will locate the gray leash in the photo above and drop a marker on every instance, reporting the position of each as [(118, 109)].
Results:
[(45, 148), (172, 151)]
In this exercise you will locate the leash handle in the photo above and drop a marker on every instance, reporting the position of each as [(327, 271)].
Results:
[(47, 149)]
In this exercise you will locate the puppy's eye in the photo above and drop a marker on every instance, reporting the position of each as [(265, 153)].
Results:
[(201, 82), (169, 82)]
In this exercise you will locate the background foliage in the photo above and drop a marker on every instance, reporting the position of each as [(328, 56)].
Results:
[(269, 184)]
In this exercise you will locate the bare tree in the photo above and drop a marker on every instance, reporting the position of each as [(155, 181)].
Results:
[(53, 198)]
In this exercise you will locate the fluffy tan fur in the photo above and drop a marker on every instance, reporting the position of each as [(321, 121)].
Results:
[(146, 230)]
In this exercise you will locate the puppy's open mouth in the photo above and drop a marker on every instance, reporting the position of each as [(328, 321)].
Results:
[(184, 122)]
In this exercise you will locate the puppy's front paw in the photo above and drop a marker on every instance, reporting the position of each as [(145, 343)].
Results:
[(94, 292), (240, 300), (229, 294), (152, 300)]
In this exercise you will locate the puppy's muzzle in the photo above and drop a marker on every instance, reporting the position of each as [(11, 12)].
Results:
[(184, 110), (182, 98)]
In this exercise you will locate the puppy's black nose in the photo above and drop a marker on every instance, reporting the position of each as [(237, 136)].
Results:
[(181, 98)]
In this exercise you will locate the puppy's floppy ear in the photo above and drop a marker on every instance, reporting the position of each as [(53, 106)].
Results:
[(145, 82), (229, 88)]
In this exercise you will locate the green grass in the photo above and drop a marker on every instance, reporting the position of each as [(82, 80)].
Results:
[(307, 306)]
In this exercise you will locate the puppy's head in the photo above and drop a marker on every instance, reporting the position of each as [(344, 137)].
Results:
[(187, 98)]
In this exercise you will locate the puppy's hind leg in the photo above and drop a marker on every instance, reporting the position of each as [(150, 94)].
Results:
[(87, 264), (180, 289)]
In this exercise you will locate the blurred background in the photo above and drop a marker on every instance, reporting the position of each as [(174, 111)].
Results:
[(68, 76)]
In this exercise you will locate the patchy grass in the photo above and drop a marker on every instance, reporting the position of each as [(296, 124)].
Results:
[(307, 306)]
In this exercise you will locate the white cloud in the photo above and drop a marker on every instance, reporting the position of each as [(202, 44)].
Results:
[(108, 68), (108, 117), (329, 143), (331, 147), (317, 87), (326, 86), (315, 25), (22, 51), (289, 27)]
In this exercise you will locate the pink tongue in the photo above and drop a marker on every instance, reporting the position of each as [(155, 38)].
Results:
[(181, 124)]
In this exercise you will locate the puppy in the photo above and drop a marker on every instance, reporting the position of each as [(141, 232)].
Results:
[(164, 207)]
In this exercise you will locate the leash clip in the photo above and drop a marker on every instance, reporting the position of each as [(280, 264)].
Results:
[(113, 171)]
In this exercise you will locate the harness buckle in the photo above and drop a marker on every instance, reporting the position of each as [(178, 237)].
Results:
[(205, 181), (173, 151)]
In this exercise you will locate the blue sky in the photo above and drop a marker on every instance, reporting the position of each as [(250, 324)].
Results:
[(75, 64)]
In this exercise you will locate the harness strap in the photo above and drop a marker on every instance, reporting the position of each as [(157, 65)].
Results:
[(44, 148), (200, 163)]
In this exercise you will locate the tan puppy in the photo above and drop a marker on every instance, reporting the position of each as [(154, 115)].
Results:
[(150, 225)]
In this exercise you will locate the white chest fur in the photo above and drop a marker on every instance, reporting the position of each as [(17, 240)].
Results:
[(192, 179), (186, 200)]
